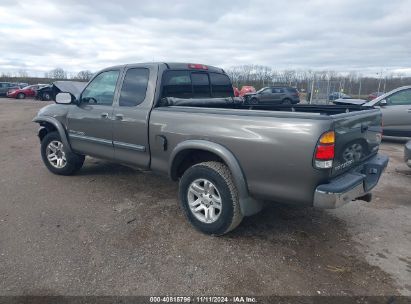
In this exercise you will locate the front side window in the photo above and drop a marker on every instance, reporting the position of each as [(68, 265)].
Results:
[(133, 91), (177, 84), (400, 98), (221, 85), (101, 89)]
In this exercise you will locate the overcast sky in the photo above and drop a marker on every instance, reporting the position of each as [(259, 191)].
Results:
[(345, 35)]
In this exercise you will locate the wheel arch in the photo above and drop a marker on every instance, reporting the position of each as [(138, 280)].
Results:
[(50, 124), (213, 151)]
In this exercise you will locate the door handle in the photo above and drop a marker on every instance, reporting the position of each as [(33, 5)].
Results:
[(104, 115), (119, 116), (409, 110)]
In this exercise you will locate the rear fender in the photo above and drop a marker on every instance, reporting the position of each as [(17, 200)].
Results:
[(249, 206)]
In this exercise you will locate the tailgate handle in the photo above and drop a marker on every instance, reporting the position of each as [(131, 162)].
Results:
[(364, 128)]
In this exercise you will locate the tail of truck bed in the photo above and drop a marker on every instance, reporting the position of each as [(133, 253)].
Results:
[(357, 138)]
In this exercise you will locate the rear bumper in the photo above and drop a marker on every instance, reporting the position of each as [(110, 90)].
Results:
[(351, 185)]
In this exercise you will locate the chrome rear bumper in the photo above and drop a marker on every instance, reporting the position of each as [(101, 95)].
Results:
[(350, 185)]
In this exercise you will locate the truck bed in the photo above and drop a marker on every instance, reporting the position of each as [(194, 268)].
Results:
[(238, 103)]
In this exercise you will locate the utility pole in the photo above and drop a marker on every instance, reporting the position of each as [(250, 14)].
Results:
[(312, 89), (359, 89), (379, 81), (328, 88)]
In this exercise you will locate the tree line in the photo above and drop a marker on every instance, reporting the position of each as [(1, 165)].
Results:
[(352, 83), (49, 77)]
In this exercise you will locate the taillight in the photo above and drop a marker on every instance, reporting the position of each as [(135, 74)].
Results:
[(325, 151), (197, 66)]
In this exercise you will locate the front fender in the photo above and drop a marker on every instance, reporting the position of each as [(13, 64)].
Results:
[(59, 127), (248, 205)]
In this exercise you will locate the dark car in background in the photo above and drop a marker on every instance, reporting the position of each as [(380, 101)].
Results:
[(338, 95), (274, 95), (49, 92), (46, 93), (6, 86)]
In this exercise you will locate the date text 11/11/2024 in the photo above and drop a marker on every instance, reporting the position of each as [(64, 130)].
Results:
[(203, 299)]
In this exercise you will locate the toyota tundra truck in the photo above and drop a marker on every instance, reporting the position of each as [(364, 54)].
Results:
[(182, 120)]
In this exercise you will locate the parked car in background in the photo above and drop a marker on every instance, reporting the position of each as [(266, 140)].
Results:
[(338, 95), (49, 92), (396, 111), (273, 95), (374, 95), (247, 89), (407, 153), (6, 86), (22, 84), (28, 91), (46, 93)]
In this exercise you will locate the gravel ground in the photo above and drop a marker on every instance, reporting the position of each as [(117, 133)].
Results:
[(111, 230)]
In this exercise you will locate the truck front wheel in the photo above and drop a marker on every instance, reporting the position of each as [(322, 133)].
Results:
[(209, 198), (56, 157)]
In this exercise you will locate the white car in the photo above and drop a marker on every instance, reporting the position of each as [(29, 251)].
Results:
[(395, 107), (396, 111)]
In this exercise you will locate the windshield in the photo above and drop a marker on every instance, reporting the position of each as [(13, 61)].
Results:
[(384, 96)]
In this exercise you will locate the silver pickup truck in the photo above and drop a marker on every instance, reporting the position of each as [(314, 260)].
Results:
[(228, 156)]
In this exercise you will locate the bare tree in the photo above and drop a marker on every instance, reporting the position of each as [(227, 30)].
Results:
[(23, 74), (84, 75), (57, 73)]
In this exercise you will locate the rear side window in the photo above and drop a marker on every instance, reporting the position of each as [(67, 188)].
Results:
[(177, 84), (201, 85), (221, 85), (133, 91)]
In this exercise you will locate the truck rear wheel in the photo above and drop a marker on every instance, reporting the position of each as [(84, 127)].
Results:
[(209, 198), (56, 157)]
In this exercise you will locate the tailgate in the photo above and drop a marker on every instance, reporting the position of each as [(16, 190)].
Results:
[(357, 138)]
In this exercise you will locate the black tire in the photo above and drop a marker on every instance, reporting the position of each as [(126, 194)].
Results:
[(21, 96), (74, 162), (287, 101), (46, 96), (220, 176), (254, 101)]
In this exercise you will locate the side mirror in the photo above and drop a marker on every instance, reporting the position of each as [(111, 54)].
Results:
[(383, 102), (64, 98)]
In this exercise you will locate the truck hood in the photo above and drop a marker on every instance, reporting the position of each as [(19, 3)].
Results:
[(73, 87)]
